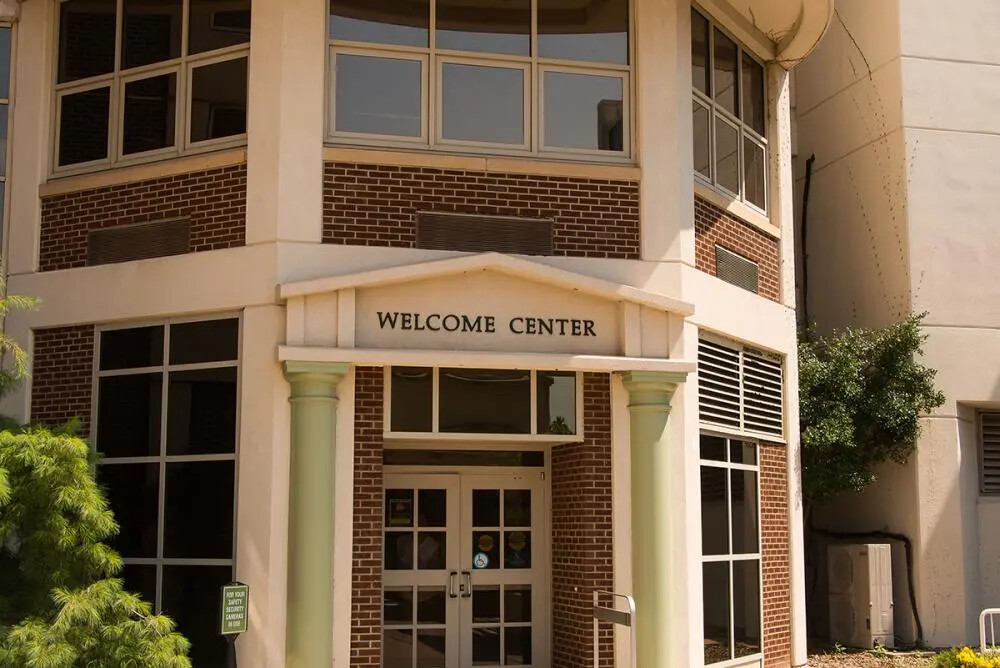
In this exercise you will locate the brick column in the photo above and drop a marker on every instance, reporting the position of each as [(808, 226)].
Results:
[(774, 555)]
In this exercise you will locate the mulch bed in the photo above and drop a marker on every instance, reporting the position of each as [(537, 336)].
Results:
[(870, 659)]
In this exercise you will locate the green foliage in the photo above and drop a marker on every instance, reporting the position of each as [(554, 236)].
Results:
[(861, 394), (966, 658), (947, 659), (17, 370)]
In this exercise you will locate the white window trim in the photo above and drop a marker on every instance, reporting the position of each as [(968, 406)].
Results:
[(744, 131), (438, 436), (731, 557), (534, 66), (115, 81), (162, 458)]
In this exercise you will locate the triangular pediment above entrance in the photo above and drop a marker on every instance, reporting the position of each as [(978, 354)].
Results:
[(486, 302)]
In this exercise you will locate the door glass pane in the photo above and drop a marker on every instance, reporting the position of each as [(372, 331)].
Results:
[(378, 95), (431, 605), (485, 402), (86, 38), (486, 647), (482, 104), (593, 30), (517, 549), (517, 508), (727, 156), (485, 605), (486, 507), (214, 24), (399, 507), (201, 412), (746, 607), (219, 100), (714, 520), (583, 111), (755, 172), (431, 648), (432, 550), (753, 94), (716, 611), (398, 550), (149, 114), (725, 73), (133, 495), (432, 507), (397, 606), (744, 501), (402, 22), (411, 398), (152, 32), (517, 603), (489, 26), (702, 145), (128, 415), (517, 645), (83, 126), (131, 348), (198, 514), (397, 648), (486, 549), (699, 52), (204, 341), (556, 402)]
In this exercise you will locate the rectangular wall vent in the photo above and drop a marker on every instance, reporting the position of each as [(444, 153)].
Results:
[(474, 233), (989, 448), (736, 269), (139, 242), (740, 388)]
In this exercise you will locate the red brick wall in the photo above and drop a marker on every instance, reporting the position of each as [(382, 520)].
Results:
[(774, 549), (213, 200), (62, 375), (714, 226), (375, 205), (366, 577), (581, 532)]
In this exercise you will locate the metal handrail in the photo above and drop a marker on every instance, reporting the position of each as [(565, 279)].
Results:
[(614, 616), (987, 613)]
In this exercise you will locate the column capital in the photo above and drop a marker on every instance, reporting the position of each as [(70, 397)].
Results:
[(334, 371), (651, 390)]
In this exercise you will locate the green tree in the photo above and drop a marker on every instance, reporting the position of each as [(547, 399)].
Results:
[(861, 395)]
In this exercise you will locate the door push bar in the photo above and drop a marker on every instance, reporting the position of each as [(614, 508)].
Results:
[(464, 586), (614, 616)]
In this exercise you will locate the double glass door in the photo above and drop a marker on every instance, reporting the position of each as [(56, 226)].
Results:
[(463, 571)]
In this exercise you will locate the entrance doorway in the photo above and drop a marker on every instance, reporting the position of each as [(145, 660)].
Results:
[(465, 570)]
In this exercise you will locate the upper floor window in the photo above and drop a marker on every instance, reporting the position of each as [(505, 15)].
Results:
[(498, 75), (730, 143), (143, 78)]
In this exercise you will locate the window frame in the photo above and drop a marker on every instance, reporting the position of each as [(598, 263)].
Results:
[(162, 458), (732, 557), (116, 81), (432, 60), (436, 435), (8, 148), (718, 112)]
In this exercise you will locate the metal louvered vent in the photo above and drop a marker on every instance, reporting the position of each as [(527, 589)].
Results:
[(462, 232), (139, 242), (989, 448), (735, 269), (740, 388)]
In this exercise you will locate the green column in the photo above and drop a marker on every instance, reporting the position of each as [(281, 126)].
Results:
[(309, 624), (650, 393)]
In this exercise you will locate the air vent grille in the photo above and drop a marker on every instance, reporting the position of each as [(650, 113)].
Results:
[(740, 388), (139, 242), (474, 233), (737, 270), (989, 425)]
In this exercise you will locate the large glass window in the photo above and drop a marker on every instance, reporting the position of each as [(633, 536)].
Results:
[(730, 142), (505, 75), (134, 81), (730, 532), (166, 435), (6, 37)]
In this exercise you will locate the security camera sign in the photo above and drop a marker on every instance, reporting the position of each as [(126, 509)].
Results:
[(235, 604)]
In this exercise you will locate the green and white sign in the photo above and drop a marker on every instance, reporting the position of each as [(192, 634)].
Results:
[(235, 606)]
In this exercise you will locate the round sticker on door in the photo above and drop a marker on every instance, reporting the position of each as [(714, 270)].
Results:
[(485, 543), (480, 560)]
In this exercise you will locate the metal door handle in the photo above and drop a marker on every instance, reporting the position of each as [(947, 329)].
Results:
[(467, 587), (451, 584)]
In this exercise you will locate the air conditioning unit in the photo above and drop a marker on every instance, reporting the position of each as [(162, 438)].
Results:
[(860, 583)]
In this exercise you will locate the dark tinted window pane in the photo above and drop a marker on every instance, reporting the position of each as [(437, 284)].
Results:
[(482, 104), (398, 550), (517, 603), (517, 508), (214, 24), (485, 550), (485, 402), (201, 412), (141, 580), (713, 447), (583, 111), (716, 601), (397, 606), (431, 648), (486, 646), (753, 94), (128, 415), (198, 512), (219, 100), (86, 38), (699, 52), (133, 494), (191, 598), (4, 61), (403, 22), (397, 648), (378, 95), (517, 549), (399, 507), (485, 605), (3, 141), (409, 457), (714, 512), (431, 605), (131, 348), (745, 511), (556, 402), (152, 32), (727, 156), (433, 508), (517, 646), (204, 341), (485, 507), (746, 607), (432, 550), (411, 398), (725, 72), (491, 26), (83, 126), (755, 172), (149, 114), (596, 30), (743, 452), (702, 143)]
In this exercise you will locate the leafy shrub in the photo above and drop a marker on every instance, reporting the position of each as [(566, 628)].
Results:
[(966, 658)]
